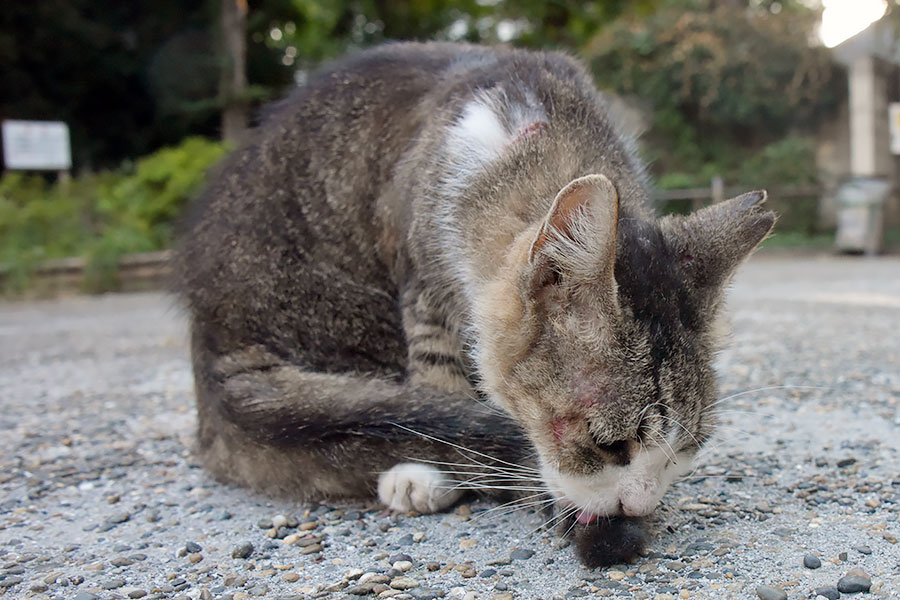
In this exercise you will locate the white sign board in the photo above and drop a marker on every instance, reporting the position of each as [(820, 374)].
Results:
[(36, 145), (894, 118)]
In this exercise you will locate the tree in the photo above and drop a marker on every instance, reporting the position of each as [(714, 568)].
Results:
[(722, 78), (233, 85)]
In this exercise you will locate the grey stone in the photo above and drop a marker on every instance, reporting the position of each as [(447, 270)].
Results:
[(521, 554), (851, 584), (766, 592), (113, 584), (243, 550), (828, 591)]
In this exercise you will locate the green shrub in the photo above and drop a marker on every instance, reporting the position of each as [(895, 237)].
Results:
[(98, 216)]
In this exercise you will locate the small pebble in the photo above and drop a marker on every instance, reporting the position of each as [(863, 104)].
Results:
[(402, 566), (404, 583), (279, 521), (243, 550), (521, 554), (10, 582), (811, 562), (113, 584), (852, 583), (828, 591), (399, 557), (766, 592), (290, 577), (192, 547)]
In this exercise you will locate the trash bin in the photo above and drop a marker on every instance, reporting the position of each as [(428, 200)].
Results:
[(860, 215)]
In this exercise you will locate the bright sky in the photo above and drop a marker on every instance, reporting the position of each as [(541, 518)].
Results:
[(844, 18)]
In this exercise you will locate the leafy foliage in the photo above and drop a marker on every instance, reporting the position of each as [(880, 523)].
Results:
[(99, 216), (724, 81)]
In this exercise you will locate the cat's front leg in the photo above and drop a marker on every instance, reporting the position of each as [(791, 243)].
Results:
[(434, 349), (418, 487)]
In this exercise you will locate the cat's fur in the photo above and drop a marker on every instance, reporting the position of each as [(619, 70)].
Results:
[(421, 228)]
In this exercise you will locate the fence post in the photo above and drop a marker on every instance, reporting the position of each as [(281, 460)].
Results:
[(717, 189)]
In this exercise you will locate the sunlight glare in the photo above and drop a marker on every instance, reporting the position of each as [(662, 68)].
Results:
[(843, 19)]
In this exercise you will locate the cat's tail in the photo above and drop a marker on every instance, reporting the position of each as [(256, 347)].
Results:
[(312, 435)]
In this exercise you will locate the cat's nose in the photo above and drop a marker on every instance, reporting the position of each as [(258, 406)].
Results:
[(637, 498)]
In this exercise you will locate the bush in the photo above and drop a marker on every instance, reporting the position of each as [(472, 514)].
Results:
[(99, 216)]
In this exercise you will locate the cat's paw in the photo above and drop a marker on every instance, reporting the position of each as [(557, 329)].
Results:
[(418, 487)]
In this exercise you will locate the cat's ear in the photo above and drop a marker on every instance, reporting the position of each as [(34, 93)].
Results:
[(713, 241), (578, 235)]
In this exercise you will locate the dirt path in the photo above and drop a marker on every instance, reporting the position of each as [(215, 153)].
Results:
[(100, 497)]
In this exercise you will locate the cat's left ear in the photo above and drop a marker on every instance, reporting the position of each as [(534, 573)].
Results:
[(710, 243), (578, 236)]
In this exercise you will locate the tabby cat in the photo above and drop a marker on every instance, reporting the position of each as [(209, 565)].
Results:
[(434, 267)]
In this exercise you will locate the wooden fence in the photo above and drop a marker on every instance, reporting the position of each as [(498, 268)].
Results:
[(151, 270)]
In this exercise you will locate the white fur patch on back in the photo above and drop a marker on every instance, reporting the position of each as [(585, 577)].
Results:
[(486, 128), (477, 132)]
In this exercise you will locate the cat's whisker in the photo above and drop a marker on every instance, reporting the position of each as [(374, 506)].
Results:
[(686, 430), (523, 470), (738, 413), (648, 407), (488, 479), (766, 389), (509, 508), (558, 518), (516, 502), (520, 469), (569, 529), (718, 476), (489, 487), (656, 432), (452, 445), (492, 478)]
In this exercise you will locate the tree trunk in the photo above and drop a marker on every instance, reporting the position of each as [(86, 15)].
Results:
[(233, 84)]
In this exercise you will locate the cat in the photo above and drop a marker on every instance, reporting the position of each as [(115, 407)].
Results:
[(435, 267)]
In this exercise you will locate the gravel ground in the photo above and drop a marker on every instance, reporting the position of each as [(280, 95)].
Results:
[(101, 498)]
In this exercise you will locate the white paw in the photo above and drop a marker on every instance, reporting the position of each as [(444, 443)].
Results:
[(418, 487)]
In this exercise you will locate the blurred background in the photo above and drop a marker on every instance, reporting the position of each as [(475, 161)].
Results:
[(114, 111)]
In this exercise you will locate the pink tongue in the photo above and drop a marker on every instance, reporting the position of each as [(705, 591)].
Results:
[(585, 518)]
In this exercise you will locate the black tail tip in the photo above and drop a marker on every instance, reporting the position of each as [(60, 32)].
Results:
[(609, 541)]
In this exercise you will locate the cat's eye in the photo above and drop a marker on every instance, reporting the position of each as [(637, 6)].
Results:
[(616, 448), (548, 276)]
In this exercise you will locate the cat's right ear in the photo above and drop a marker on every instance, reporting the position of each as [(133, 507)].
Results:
[(577, 238), (713, 241)]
